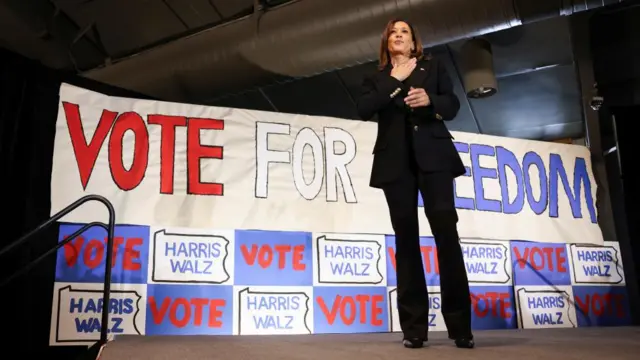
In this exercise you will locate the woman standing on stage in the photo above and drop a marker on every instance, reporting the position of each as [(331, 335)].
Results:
[(413, 96)]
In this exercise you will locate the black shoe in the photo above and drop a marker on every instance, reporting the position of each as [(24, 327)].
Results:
[(459, 328), (465, 343), (413, 343)]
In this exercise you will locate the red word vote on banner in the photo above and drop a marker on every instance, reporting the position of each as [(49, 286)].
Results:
[(114, 126)]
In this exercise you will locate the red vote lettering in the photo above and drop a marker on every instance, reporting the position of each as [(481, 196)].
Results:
[(429, 259), (86, 153), (601, 304), (264, 255), (197, 151), (93, 252), (392, 256), (128, 179), (168, 126), (553, 259), (496, 303), (349, 307), (192, 311)]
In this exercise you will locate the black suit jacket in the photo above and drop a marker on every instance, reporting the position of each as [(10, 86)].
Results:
[(433, 148)]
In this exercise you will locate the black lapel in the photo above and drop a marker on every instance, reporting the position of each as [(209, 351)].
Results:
[(419, 74), (386, 70)]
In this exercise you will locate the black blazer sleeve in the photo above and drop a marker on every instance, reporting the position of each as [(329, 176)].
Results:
[(445, 103), (377, 94)]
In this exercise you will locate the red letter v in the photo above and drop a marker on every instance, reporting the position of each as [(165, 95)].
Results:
[(86, 154)]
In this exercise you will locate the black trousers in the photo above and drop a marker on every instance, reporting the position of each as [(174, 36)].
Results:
[(413, 298)]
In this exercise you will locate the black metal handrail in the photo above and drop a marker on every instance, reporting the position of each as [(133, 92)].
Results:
[(110, 228)]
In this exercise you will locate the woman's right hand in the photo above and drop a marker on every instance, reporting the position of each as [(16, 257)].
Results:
[(401, 72)]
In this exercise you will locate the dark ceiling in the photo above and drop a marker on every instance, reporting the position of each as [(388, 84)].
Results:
[(538, 96)]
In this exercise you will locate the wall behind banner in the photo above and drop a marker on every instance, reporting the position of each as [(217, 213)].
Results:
[(242, 266)]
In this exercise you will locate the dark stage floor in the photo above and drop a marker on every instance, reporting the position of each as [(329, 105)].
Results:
[(564, 344)]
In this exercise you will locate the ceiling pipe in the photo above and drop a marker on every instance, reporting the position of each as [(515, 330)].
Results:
[(308, 37)]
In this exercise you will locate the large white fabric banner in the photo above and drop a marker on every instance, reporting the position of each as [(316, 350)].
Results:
[(178, 165)]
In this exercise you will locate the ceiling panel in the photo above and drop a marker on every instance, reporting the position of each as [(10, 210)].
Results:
[(126, 25), (195, 13), (319, 95), (251, 100), (525, 48), (532, 105), (229, 8)]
